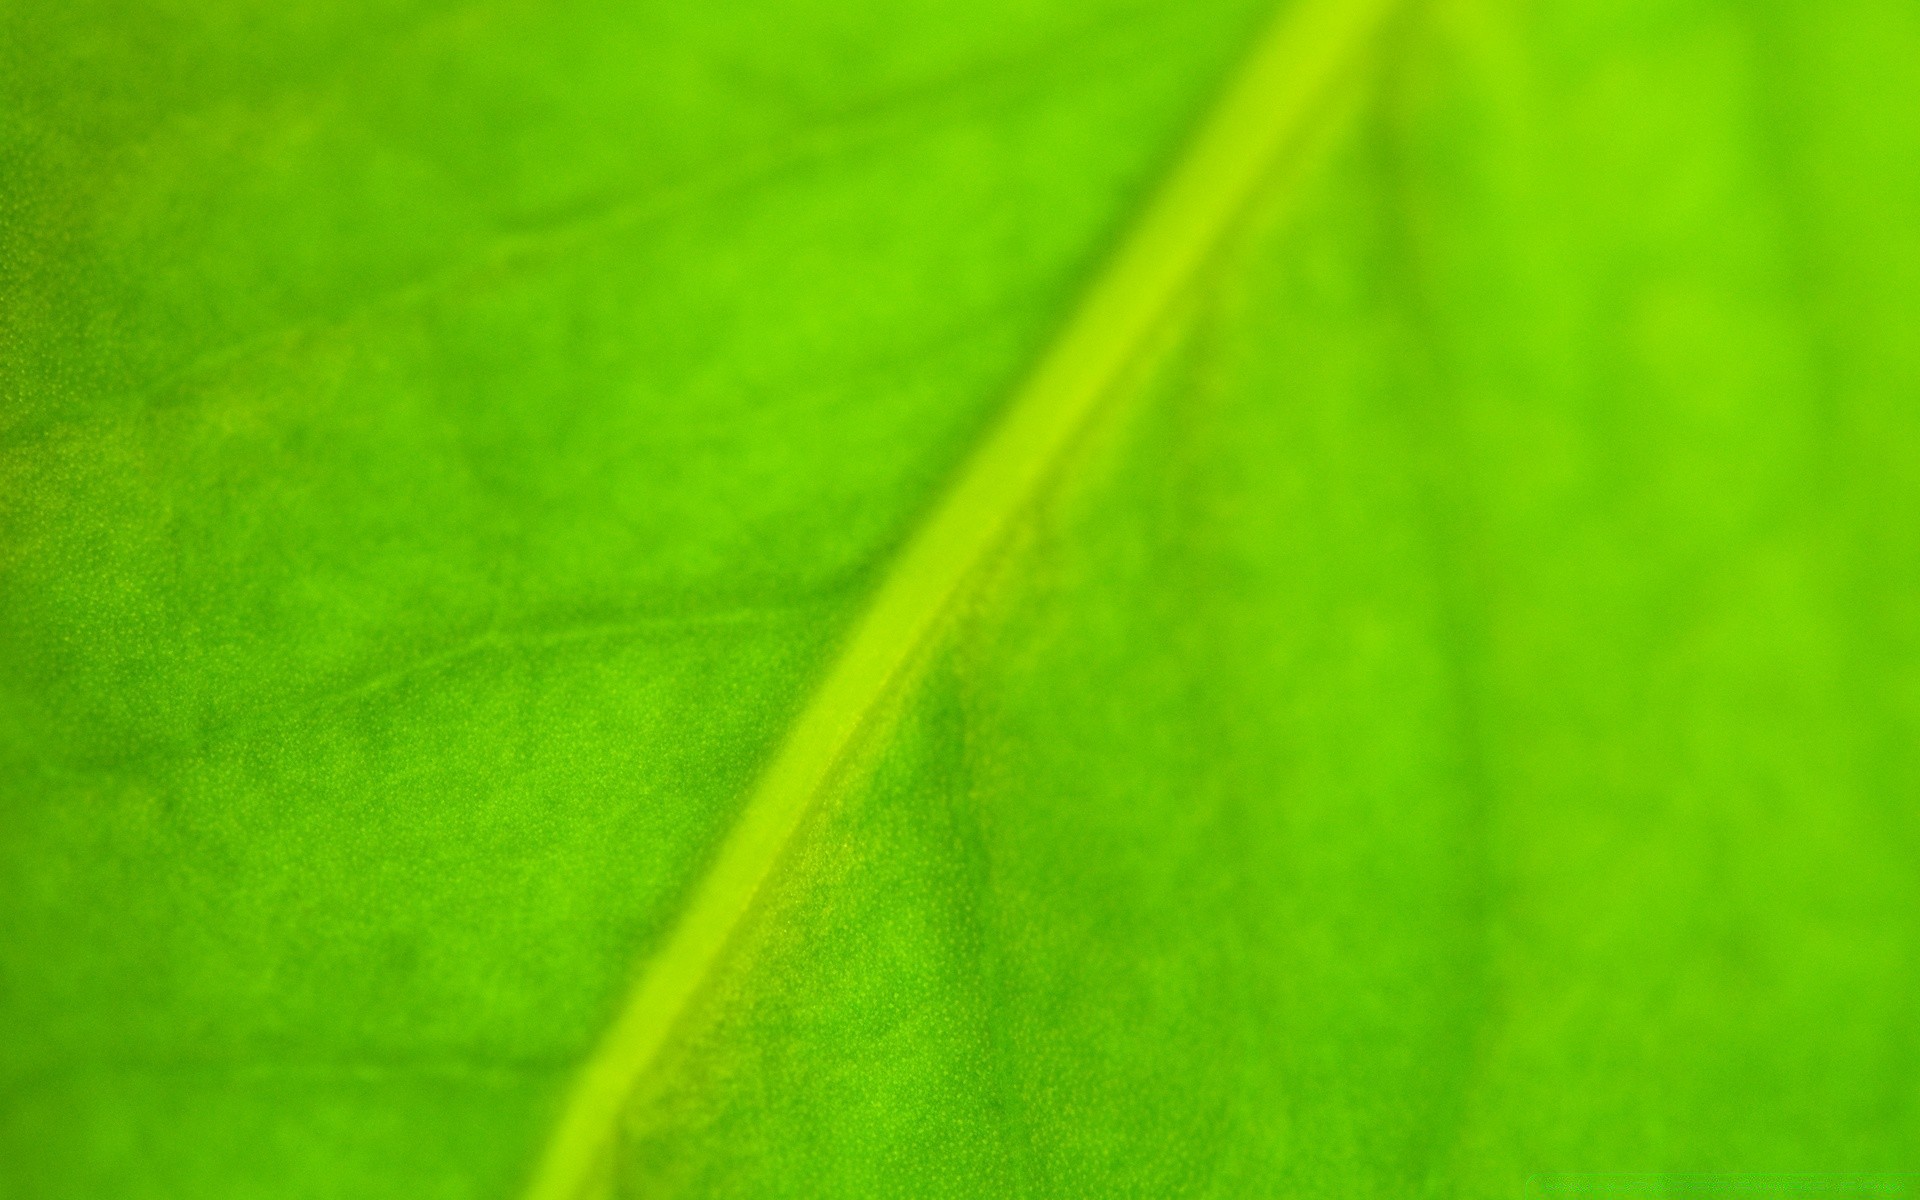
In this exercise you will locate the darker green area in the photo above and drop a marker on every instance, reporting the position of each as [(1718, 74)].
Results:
[(436, 448)]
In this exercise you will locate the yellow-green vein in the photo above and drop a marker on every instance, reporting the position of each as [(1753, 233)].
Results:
[(1266, 112)]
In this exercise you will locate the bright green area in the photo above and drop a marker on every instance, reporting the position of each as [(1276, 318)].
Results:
[(1461, 722)]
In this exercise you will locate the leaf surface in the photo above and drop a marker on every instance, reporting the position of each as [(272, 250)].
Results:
[(1449, 721)]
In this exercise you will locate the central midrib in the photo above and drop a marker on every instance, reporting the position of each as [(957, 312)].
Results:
[(1264, 113)]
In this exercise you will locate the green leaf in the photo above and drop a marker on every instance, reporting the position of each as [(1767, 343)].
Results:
[(807, 599)]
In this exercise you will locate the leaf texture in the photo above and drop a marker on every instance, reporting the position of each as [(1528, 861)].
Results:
[(1267, 115), (1447, 726)]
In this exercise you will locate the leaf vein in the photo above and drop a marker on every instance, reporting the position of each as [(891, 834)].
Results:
[(1267, 111)]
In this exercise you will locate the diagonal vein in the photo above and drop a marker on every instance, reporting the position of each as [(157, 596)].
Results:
[(1267, 111)]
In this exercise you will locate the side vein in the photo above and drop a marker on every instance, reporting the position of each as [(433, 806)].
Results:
[(1266, 111)]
